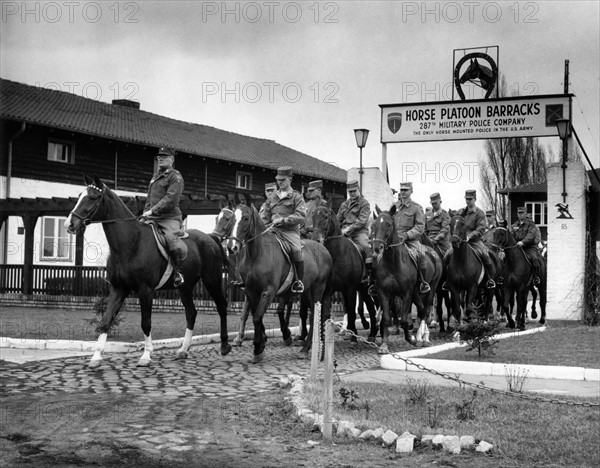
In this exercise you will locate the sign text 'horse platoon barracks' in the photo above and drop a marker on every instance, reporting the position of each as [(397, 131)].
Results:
[(528, 116)]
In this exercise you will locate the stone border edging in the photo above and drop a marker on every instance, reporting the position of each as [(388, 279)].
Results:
[(389, 362), (405, 442)]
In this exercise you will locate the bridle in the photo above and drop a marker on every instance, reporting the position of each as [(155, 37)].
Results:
[(89, 218), (385, 243), (502, 248), (252, 225)]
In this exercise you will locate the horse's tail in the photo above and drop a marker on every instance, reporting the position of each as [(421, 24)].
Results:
[(226, 261)]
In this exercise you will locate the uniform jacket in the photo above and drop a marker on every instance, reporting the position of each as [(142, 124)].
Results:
[(354, 213), (475, 223), (437, 227), (409, 219), (164, 193), (291, 208), (525, 232)]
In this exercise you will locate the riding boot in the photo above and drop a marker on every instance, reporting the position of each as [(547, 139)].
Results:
[(535, 264), (488, 267), (424, 287), (177, 276), (298, 286)]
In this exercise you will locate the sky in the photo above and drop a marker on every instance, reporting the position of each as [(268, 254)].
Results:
[(305, 74)]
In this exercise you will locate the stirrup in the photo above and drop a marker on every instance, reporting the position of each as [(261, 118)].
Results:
[(536, 281), (490, 284), (178, 280), (238, 283), (424, 288), (445, 286), (372, 290), (298, 287)]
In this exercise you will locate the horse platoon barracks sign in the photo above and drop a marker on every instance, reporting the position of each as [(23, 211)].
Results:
[(528, 116)]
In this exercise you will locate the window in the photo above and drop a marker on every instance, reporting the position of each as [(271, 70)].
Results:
[(61, 151), (56, 243), (243, 180), (539, 212)]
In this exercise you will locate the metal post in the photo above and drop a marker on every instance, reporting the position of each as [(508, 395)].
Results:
[(316, 337), (360, 172), (328, 381)]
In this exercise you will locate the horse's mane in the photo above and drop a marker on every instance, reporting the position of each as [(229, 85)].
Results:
[(334, 221)]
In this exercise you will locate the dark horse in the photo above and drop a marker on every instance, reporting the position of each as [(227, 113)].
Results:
[(264, 268), (223, 229), (476, 71), (397, 275), (465, 272), (518, 278), (136, 264), (347, 267)]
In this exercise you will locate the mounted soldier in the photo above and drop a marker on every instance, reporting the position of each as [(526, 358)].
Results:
[(490, 217), (527, 235), (162, 208), (437, 225), (354, 215), (475, 223), (410, 224), (285, 211), (315, 199), (269, 189)]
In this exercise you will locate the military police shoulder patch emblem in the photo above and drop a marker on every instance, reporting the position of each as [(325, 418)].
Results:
[(394, 121)]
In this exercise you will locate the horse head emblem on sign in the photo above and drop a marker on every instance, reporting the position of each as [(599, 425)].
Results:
[(477, 73)]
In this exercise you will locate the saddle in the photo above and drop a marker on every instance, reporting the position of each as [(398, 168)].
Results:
[(286, 248), (161, 244)]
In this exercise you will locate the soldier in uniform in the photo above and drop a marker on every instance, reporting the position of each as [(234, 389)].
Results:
[(475, 224), (525, 233), (410, 224), (285, 211), (353, 217), (162, 207), (437, 224), (269, 189), (490, 217), (315, 200)]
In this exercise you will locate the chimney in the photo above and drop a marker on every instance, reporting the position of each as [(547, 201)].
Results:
[(126, 103)]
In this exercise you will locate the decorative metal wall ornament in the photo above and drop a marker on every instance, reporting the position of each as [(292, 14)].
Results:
[(563, 210), (476, 73)]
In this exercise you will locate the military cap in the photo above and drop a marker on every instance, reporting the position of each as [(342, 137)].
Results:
[(435, 197), (470, 193), (490, 213), (164, 151), (315, 184), (521, 209), (285, 171), (405, 185), (271, 186), (352, 185)]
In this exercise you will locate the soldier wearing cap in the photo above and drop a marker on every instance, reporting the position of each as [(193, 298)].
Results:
[(285, 210), (410, 224), (437, 224), (490, 217), (353, 217), (475, 224), (315, 200), (526, 234), (269, 189), (162, 207)]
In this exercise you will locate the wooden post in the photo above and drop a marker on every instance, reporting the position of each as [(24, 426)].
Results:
[(316, 338), (328, 381)]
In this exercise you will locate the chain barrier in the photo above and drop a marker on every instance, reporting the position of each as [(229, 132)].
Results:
[(461, 382)]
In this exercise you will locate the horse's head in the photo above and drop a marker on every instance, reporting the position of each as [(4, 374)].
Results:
[(484, 74), (88, 205), (458, 231), (325, 224), (247, 226), (502, 238), (225, 221), (383, 229)]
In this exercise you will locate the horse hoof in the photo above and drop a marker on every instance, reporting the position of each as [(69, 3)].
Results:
[(94, 363), (418, 344), (258, 358), (383, 349), (298, 338), (371, 339), (144, 363), (427, 344), (225, 349), (413, 342), (287, 342), (522, 327), (394, 331), (237, 342), (433, 324), (365, 324), (298, 342), (181, 355), (533, 314), (510, 325), (542, 321), (302, 355)]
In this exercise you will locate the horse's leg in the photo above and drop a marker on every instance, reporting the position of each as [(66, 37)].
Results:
[(350, 303), (543, 298), (508, 304), (361, 311), (285, 331), (405, 306), (303, 314), (384, 302), (243, 319), (521, 306), (190, 317), (145, 296), (534, 296), (368, 302), (394, 320), (258, 313), (212, 283), (288, 310), (115, 301)]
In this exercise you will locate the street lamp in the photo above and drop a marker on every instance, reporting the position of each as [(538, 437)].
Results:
[(564, 130), (361, 135)]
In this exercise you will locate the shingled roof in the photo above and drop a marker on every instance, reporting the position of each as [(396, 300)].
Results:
[(67, 111)]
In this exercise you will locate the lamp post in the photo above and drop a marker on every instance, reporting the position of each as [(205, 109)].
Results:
[(361, 135), (564, 131)]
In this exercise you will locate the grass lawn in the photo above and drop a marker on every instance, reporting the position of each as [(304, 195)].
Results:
[(524, 432), (564, 343), (43, 324)]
